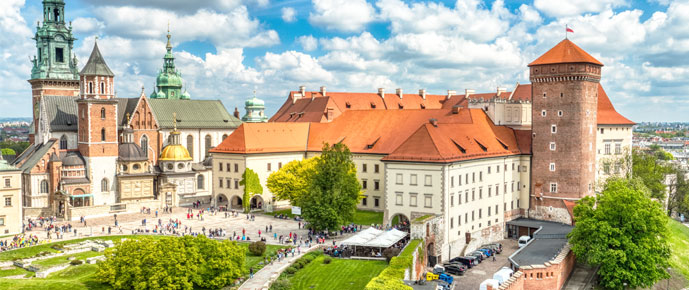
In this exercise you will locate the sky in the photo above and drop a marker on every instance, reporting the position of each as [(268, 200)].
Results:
[(226, 49)]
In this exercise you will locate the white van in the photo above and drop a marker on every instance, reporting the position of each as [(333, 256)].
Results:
[(492, 282), (523, 240), (502, 275)]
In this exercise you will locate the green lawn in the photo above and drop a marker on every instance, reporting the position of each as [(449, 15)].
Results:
[(679, 243), (252, 261), (339, 274), (63, 259)]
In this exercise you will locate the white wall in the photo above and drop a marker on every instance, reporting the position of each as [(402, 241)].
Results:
[(71, 138), (99, 168), (612, 136), (199, 135)]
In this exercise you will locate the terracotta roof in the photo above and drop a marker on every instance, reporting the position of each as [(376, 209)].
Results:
[(449, 142), (565, 52), (265, 138), (524, 140), (522, 92), (607, 115)]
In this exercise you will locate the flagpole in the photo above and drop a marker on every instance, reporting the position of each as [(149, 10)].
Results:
[(566, 31)]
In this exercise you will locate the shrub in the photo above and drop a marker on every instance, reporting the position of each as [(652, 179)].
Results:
[(390, 252), (257, 248), (327, 260), (290, 270), (76, 262), (281, 284), (299, 264)]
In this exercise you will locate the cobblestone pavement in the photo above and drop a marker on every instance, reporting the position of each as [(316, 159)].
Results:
[(473, 277)]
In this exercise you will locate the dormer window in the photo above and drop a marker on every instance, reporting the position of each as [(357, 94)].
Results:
[(373, 105), (348, 105)]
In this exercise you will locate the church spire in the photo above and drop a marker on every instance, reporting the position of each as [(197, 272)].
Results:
[(169, 80)]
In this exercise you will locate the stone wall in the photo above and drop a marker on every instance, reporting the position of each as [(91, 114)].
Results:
[(32, 212), (550, 275)]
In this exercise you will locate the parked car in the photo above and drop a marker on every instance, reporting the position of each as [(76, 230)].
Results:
[(486, 252), (496, 247), (478, 255), (503, 274), (438, 269), (523, 240), (470, 262), (455, 268)]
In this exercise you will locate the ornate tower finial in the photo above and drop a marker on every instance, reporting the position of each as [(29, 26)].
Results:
[(174, 121), (168, 46)]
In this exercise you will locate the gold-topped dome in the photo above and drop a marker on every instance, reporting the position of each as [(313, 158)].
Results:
[(175, 152)]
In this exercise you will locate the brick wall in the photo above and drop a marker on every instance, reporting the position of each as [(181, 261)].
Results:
[(551, 275)]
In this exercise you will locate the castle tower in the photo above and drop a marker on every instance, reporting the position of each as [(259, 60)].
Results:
[(565, 99), (54, 69), (255, 110), (97, 109), (169, 80)]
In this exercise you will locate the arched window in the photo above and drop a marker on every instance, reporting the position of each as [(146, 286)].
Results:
[(224, 136), (102, 135), (90, 88), (104, 185), (208, 144), (63, 142), (190, 145), (144, 144), (44, 186), (102, 113), (102, 87), (200, 181)]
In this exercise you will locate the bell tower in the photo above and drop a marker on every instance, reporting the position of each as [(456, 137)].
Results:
[(54, 68), (564, 111)]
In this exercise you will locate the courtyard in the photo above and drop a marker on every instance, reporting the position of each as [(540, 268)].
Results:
[(473, 277)]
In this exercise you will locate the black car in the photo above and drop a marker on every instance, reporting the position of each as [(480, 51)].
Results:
[(496, 247), (470, 262), (477, 256), (455, 269)]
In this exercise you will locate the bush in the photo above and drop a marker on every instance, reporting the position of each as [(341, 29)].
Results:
[(299, 264), (390, 252), (281, 284), (290, 270), (257, 248), (76, 262), (327, 260)]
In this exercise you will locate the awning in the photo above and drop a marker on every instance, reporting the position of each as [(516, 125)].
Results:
[(81, 195), (362, 237), (372, 237)]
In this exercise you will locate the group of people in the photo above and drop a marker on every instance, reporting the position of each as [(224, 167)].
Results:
[(19, 241)]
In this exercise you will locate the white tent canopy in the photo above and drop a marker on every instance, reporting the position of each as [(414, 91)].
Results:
[(375, 238)]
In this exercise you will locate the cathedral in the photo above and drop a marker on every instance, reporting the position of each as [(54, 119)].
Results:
[(95, 153)]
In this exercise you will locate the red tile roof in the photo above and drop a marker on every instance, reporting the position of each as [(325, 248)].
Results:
[(565, 52), (607, 115), (265, 138)]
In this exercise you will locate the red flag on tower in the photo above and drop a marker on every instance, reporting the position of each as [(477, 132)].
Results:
[(569, 30)]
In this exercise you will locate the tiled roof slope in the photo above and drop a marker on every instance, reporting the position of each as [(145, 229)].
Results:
[(34, 155), (62, 112), (96, 64), (266, 138), (565, 52), (450, 142), (192, 114), (607, 115)]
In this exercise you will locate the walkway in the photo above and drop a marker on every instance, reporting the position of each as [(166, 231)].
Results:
[(268, 274)]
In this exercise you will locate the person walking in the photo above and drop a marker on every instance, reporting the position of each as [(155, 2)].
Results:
[(251, 272)]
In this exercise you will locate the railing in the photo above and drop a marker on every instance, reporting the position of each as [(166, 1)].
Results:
[(118, 207)]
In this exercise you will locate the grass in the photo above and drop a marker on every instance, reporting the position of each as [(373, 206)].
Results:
[(14, 272), (63, 259), (679, 243), (339, 274), (252, 261)]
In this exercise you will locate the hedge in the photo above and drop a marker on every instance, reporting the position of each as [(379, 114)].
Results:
[(392, 276)]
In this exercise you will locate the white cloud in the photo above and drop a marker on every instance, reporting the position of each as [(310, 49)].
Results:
[(289, 14), (294, 67), (342, 15), (308, 42), (15, 49), (86, 25), (562, 8)]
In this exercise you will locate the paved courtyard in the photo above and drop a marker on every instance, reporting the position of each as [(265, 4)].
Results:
[(473, 277)]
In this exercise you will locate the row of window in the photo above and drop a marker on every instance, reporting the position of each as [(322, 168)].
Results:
[(376, 168), (608, 151), (545, 113), (8, 183), (514, 166), (376, 184), (480, 193), (413, 199), (228, 166), (228, 183), (90, 89), (413, 180), (491, 210), (376, 201)]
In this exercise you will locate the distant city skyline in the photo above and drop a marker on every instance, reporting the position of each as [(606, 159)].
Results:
[(226, 49)]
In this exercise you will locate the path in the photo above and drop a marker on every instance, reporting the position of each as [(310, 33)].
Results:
[(268, 274)]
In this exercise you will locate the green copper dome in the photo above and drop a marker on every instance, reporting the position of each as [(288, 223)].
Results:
[(254, 102), (169, 81), (255, 110)]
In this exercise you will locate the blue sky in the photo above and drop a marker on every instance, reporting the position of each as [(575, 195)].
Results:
[(227, 48)]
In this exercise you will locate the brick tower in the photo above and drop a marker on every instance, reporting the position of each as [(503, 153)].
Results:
[(97, 109), (565, 99), (54, 72)]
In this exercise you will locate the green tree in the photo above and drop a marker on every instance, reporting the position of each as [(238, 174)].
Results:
[(623, 231), (678, 201), (292, 181), (221, 262), (8, 151), (252, 186), (647, 167), (18, 147), (334, 190)]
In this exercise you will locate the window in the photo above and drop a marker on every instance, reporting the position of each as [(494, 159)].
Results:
[(490, 190), (553, 187), (90, 88), (236, 183), (144, 144), (104, 185), (452, 223), (602, 130), (63, 142), (102, 135), (200, 183), (8, 201), (473, 177), (452, 181), (219, 166), (364, 201), (480, 176), (553, 129), (459, 198), (376, 185), (497, 190), (209, 140), (452, 200), (102, 113), (473, 194), (376, 202), (227, 166), (59, 54), (376, 168), (364, 168), (459, 180), (552, 146), (473, 215), (412, 199), (236, 167), (559, 113), (552, 166), (428, 181), (268, 166), (466, 196), (618, 148), (190, 146), (413, 180), (489, 211), (364, 183), (459, 220), (428, 200), (8, 182), (497, 168), (279, 165), (220, 182), (606, 168), (398, 176), (543, 113), (102, 88), (607, 149), (480, 213), (480, 193), (398, 198)]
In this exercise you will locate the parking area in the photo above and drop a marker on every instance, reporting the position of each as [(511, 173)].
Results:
[(473, 277)]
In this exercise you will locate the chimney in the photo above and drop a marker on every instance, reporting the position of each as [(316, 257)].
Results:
[(451, 93), (302, 90), (456, 109), (422, 93), (381, 92), (468, 92), (323, 91), (501, 90), (433, 122), (399, 92), (236, 113)]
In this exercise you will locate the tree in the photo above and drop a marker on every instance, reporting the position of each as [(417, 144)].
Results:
[(334, 191), (678, 199), (292, 181), (623, 231), (252, 186), (651, 171), (8, 151)]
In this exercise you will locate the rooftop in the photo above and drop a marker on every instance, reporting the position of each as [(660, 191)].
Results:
[(547, 242), (565, 52)]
